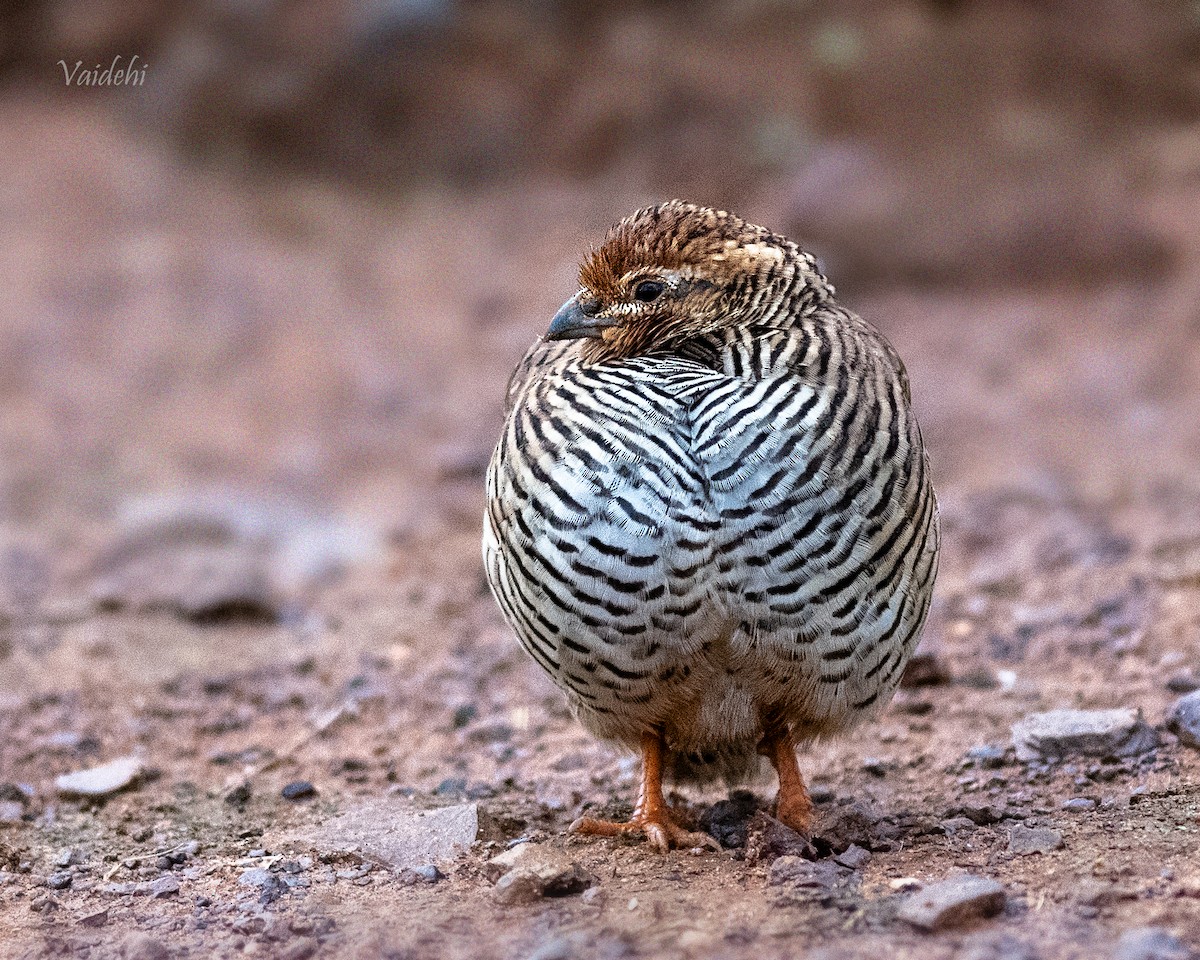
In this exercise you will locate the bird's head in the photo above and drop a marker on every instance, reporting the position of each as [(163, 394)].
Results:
[(676, 271)]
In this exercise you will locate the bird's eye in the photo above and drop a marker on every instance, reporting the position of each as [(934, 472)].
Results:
[(649, 290)]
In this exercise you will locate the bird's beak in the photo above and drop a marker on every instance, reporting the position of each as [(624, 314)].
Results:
[(571, 323)]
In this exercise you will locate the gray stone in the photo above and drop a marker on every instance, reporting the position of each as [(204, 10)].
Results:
[(792, 871), (100, 781), (1023, 840), (59, 880), (517, 887), (1079, 804), (953, 902), (1058, 734), (1184, 719), (392, 832), (854, 857), (1150, 943)]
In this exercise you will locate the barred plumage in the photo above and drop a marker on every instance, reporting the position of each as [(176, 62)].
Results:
[(710, 516)]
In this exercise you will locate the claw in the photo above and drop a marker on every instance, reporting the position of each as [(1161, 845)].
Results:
[(652, 816)]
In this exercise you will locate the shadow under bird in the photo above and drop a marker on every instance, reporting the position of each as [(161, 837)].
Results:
[(710, 516)]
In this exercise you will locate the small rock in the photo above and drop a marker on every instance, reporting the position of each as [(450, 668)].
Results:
[(924, 670), (728, 821), (162, 887), (142, 946), (854, 857), (1183, 681), (59, 880), (988, 756), (240, 795), (97, 918), (100, 781), (517, 887), (953, 902), (1023, 840), (298, 790), (767, 839), (1058, 734), (558, 876), (1079, 804), (429, 874), (68, 857), (593, 897), (982, 815), (793, 871), (877, 766), (1184, 719), (11, 811), (1150, 943), (846, 824)]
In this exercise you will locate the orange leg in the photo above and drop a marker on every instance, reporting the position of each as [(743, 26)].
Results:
[(651, 816), (793, 805)]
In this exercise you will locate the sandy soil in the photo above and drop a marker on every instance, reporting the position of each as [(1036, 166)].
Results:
[(242, 435)]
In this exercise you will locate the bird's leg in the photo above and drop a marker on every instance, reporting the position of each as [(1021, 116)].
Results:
[(651, 816), (793, 806)]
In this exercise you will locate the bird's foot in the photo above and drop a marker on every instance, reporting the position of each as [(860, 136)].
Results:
[(795, 810), (660, 828)]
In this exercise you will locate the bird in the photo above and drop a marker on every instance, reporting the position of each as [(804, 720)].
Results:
[(709, 515)]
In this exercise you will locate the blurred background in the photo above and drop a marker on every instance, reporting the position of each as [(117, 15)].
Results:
[(257, 314), (270, 294)]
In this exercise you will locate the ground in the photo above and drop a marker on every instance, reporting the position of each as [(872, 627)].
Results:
[(242, 440)]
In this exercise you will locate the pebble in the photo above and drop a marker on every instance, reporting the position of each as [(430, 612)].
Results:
[(728, 821), (517, 887), (1150, 943), (1184, 719), (1079, 804), (987, 755), (557, 876), (1183, 681), (298, 790), (1023, 840), (952, 902), (854, 857), (60, 880), (100, 781), (1058, 734), (808, 874)]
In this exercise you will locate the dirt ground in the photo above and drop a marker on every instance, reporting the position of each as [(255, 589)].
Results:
[(243, 427)]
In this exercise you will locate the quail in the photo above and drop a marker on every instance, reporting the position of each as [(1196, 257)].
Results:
[(709, 515)]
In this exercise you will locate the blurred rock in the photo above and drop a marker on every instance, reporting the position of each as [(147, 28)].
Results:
[(1057, 734), (1023, 840), (924, 670), (210, 556), (100, 781), (1150, 943), (1184, 719), (953, 902)]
